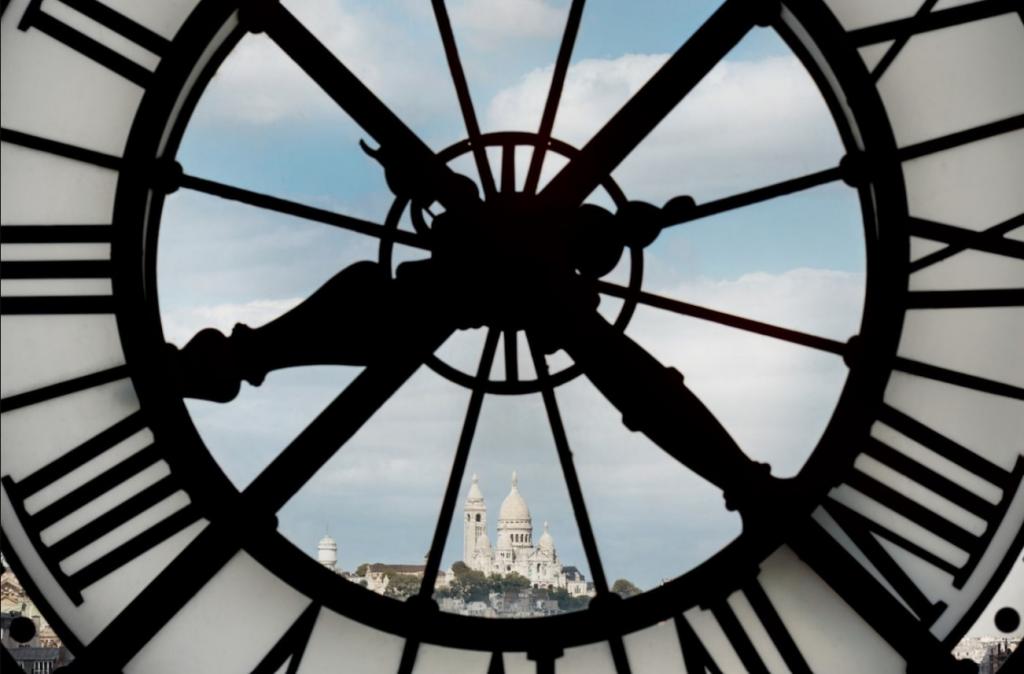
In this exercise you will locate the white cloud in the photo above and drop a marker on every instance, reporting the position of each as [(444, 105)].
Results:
[(746, 123), (400, 61), (487, 22), (181, 324)]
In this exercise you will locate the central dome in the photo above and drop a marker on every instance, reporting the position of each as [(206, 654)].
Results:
[(514, 507)]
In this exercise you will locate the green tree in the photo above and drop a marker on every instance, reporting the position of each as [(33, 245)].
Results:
[(567, 602), (625, 588), (401, 585), (361, 569), (459, 568)]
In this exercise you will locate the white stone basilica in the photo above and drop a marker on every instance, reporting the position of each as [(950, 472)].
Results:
[(514, 551)]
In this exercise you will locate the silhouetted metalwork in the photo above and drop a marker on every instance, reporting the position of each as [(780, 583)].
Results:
[(510, 261)]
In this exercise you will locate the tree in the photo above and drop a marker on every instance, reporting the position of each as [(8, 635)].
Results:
[(401, 585), (512, 581), (459, 568), (625, 588), (361, 569), (567, 602)]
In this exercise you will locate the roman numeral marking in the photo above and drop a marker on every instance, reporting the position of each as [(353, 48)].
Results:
[(863, 530), (89, 491), (989, 240), (740, 640), (695, 655), (961, 299), (35, 17), (291, 645), (63, 388), (926, 20), (958, 378), (55, 147), (70, 237)]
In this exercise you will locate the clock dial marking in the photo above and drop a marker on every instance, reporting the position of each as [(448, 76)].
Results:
[(73, 499), (925, 21), (291, 645), (990, 240), (863, 527), (36, 18), (74, 263), (63, 388), (958, 378), (61, 149), (951, 299)]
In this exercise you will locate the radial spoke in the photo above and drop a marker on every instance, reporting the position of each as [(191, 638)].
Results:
[(339, 421), (572, 482), (409, 154), (958, 138), (750, 325), (511, 356), (757, 195), (508, 168), (451, 494), (547, 121), (296, 209), (451, 53), (638, 117)]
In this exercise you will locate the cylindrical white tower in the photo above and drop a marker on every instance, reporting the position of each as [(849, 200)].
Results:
[(327, 552), (474, 522)]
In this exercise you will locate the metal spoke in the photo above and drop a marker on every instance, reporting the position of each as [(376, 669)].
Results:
[(897, 46), (648, 106), (958, 138), (451, 52), (451, 494), (339, 421), (547, 121), (417, 161), (750, 325), (271, 203), (511, 356), (508, 168), (572, 482), (758, 195)]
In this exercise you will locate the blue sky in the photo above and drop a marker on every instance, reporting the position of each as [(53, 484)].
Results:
[(797, 261)]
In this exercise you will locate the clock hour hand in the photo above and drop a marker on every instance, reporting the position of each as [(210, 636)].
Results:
[(349, 320), (412, 166), (655, 400)]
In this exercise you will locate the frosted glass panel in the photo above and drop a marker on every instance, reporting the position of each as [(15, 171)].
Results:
[(589, 659), (433, 659), (655, 650), (250, 610), (337, 639)]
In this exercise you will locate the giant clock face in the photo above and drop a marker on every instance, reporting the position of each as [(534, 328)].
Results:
[(895, 534)]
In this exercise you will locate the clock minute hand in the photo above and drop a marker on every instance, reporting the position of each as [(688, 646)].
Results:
[(410, 162), (648, 106), (654, 400)]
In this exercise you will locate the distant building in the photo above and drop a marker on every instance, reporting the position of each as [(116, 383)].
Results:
[(514, 551), (43, 652)]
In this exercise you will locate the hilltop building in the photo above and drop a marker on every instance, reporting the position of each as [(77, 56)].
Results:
[(514, 550)]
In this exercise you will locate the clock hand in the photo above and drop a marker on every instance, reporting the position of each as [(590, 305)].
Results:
[(356, 316), (654, 400), (412, 167), (638, 117)]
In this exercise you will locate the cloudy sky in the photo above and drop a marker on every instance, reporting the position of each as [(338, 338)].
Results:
[(797, 261)]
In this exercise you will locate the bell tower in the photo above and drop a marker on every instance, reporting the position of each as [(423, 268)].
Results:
[(474, 521)]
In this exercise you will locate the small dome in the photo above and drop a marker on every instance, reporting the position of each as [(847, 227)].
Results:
[(547, 542), (514, 507), (475, 495), (327, 543)]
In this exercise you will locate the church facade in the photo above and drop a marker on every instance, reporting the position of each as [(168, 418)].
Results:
[(514, 550)]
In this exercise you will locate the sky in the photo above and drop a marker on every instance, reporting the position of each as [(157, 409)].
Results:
[(796, 261)]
